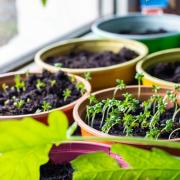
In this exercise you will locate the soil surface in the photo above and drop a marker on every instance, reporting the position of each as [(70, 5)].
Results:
[(166, 71), (33, 98), (87, 59), (117, 130), (147, 32), (52, 171)]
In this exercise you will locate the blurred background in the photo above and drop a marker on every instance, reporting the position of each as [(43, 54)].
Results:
[(28, 25)]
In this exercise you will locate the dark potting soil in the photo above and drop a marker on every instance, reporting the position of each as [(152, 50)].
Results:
[(147, 32), (117, 130), (166, 71), (32, 97), (87, 59), (50, 171)]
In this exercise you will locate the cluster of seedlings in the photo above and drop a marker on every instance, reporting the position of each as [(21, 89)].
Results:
[(88, 59), (130, 116), (39, 93)]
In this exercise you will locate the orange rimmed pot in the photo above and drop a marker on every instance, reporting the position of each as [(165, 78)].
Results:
[(80, 109), (42, 116)]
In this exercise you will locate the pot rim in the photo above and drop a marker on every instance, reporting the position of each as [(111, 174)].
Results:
[(93, 131), (95, 27), (43, 64), (36, 115), (140, 69)]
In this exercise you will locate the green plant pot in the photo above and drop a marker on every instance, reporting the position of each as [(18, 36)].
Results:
[(111, 26), (170, 55)]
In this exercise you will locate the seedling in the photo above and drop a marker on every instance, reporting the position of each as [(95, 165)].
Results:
[(120, 85), (18, 83), (87, 76), (81, 87), (52, 82), (40, 84), (19, 104), (72, 78), (4, 87), (46, 106), (66, 93), (58, 65), (132, 114), (139, 77)]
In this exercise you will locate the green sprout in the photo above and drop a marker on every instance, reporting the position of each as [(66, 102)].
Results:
[(120, 85), (81, 87), (58, 65), (92, 99), (72, 78), (46, 106), (19, 104), (40, 84), (4, 87), (155, 88), (66, 93), (18, 83), (52, 82), (139, 77), (87, 76)]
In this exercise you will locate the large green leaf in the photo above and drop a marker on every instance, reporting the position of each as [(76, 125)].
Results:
[(29, 132), (94, 166), (25, 145), (143, 164)]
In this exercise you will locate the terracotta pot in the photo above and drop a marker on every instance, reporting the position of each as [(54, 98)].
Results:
[(42, 117), (80, 110), (170, 55), (102, 77), (69, 151)]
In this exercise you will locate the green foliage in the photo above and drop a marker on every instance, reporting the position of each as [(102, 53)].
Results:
[(44, 2), (87, 76), (40, 84), (94, 166), (81, 87), (19, 104), (4, 87), (18, 83), (58, 65), (66, 93), (46, 106), (130, 113), (52, 82), (120, 85), (25, 145), (142, 164)]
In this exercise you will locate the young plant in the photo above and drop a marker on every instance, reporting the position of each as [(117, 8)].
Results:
[(46, 106), (81, 87), (58, 65), (4, 87), (40, 84), (19, 104), (52, 82), (66, 93), (87, 76), (92, 99), (120, 85), (19, 84), (139, 77)]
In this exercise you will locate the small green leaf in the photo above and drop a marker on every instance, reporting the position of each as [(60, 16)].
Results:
[(94, 166), (44, 2)]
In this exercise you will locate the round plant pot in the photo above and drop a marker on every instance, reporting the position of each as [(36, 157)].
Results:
[(69, 151), (42, 116), (80, 110), (102, 77), (110, 27), (171, 55)]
